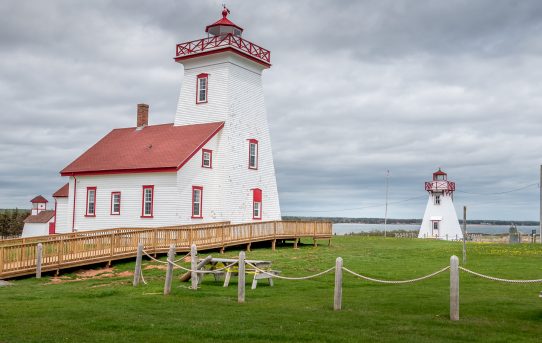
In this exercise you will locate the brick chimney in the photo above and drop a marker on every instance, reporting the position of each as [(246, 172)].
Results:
[(142, 115)]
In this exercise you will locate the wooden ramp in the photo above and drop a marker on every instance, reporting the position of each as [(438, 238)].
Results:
[(18, 256)]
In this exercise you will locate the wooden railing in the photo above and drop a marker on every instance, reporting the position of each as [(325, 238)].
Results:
[(18, 256), (223, 41)]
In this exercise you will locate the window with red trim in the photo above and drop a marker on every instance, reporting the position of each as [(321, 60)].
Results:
[(206, 158), (197, 201), (256, 203), (91, 202), (202, 87), (115, 203), (252, 154), (147, 202)]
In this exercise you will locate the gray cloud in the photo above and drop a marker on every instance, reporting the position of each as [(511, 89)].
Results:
[(356, 87)]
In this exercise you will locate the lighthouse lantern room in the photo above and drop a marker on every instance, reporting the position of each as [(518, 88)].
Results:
[(440, 219)]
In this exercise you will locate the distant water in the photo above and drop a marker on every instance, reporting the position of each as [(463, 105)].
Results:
[(341, 229)]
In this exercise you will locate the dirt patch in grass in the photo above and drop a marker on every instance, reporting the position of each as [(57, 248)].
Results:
[(155, 266), (90, 274)]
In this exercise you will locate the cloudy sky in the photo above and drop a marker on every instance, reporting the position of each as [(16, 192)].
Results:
[(356, 88)]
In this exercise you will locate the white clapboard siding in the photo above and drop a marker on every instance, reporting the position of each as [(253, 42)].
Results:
[(448, 226), (238, 100), (35, 229), (61, 225)]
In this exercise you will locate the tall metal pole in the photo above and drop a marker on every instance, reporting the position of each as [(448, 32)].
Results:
[(540, 205), (386, 210), (464, 234)]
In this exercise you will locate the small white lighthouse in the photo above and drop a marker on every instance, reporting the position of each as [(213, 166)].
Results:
[(440, 220)]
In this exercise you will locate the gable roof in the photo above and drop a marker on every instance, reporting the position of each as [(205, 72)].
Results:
[(62, 192), (164, 148), (42, 217), (38, 199)]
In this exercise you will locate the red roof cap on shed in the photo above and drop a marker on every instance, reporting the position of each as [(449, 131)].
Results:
[(62, 192), (164, 148), (38, 199), (42, 217)]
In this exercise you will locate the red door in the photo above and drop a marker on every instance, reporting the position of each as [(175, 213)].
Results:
[(51, 228)]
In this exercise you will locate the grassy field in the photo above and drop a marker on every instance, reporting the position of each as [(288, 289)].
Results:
[(110, 309)]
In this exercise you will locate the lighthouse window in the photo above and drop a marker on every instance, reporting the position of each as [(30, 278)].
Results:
[(207, 158), (437, 199), (91, 202), (148, 200), (252, 154), (196, 201), (201, 91), (256, 203)]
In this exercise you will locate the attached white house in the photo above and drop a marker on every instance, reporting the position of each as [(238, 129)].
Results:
[(213, 163)]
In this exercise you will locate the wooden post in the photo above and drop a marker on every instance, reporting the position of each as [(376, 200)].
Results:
[(139, 258), (194, 266), (248, 246), (464, 234), (1, 260), (154, 239), (112, 249), (273, 244), (241, 279), (295, 243), (338, 294), (169, 271), (454, 288), (39, 256)]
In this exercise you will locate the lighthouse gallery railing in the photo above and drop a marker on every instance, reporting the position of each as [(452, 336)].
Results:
[(223, 41)]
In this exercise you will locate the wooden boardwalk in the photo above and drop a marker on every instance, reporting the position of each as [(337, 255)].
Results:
[(18, 256)]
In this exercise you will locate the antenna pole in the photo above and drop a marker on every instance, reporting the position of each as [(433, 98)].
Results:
[(386, 210), (540, 205)]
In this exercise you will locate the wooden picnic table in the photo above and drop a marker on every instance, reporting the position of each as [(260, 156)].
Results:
[(218, 263)]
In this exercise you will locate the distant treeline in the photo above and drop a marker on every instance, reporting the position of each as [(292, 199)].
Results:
[(407, 221), (12, 222)]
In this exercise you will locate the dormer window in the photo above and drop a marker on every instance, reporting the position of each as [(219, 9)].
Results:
[(252, 154), (201, 88), (207, 158)]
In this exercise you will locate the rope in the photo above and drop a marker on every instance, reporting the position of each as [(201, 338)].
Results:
[(152, 258), (176, 261), (289, 278), (142, 278), (396, 281), (202, 271), (498, 279)]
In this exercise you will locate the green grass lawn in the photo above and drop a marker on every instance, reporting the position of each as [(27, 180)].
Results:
[(111, 310)]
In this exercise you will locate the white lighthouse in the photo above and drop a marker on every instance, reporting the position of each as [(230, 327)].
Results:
[(440, 219)]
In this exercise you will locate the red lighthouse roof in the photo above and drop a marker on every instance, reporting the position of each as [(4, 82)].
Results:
[(224, 25), (39, 200), (439, 175)]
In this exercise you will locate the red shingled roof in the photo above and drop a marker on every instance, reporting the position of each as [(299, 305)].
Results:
[(38, 199), (154, 148), (62, 192), (42, 217)]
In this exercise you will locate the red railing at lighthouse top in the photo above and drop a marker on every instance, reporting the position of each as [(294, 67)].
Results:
[(440, 186), (224, 41)]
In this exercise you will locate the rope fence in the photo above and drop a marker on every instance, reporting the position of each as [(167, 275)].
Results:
[(197, 272)]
